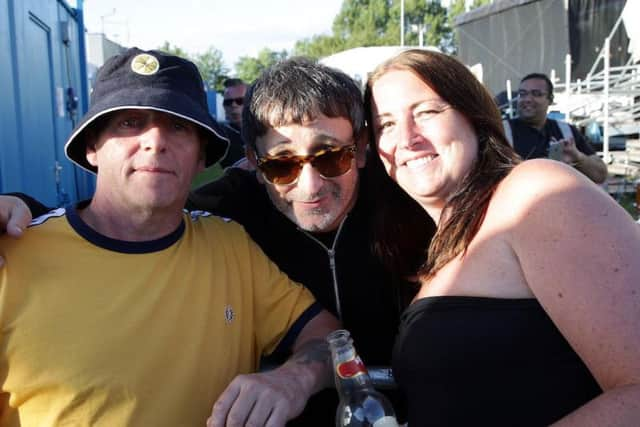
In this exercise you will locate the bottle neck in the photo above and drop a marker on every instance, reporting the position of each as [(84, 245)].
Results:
[(350, 373)]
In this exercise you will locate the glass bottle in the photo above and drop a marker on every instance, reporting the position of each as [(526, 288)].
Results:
[(360, 404)]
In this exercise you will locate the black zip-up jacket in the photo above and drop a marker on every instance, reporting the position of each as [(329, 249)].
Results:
[(337, 266)]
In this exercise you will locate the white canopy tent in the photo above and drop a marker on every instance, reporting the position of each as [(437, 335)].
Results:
[(360, 61)]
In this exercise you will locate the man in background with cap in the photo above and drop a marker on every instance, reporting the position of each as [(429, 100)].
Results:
[(126, 311), (233, 97)]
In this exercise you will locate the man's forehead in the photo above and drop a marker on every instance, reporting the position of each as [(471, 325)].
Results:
[(140, 112), (302, 137), (534, 83), (235, 91)]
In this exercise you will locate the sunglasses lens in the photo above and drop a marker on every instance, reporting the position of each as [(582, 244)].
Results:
[(229, 101), (280, 171), (333, 163)]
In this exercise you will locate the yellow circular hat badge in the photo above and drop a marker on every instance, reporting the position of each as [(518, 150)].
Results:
[(145, 64)]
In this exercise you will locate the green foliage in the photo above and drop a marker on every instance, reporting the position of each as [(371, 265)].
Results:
[(628, 202), (319, 46), (210, 64), (428, 17), (249, 68), (212, 68), (377, 23), (209, 174), (478, 3), (173, 50), (363, 23)]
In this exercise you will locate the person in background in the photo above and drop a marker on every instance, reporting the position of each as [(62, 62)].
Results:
[(124, 310), (309, 207), (233, 97), (533, 135), (529, 304)]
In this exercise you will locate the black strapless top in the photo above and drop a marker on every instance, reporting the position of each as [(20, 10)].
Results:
[(464, 361)]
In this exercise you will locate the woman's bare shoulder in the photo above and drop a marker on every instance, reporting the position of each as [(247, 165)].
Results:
[(538, 183)]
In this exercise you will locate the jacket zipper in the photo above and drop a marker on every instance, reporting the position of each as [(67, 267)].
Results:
[(332, 263)]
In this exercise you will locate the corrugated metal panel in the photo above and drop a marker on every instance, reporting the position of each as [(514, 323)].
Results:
[(514, 38), (40, 71)]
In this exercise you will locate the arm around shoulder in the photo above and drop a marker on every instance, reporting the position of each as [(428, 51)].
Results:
[(578, 252)]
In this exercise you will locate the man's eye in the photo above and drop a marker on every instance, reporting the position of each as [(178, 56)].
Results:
[(130, 123), (182, 126)]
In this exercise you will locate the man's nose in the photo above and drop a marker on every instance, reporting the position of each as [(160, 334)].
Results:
[(310, 180), (153, 138)]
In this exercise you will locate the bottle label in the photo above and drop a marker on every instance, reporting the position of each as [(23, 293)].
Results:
[(386, 422), (351, 368)]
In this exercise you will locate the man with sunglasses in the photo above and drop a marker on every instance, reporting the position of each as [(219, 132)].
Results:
[(308, 206), (533, 135), (233, 96)]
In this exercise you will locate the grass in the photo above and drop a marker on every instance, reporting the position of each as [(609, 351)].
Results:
[(207, 175), (628, 202)]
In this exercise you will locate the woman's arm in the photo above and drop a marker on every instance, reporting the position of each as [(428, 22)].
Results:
[(579, 253)]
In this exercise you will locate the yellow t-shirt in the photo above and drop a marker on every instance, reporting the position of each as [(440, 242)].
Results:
[(100, 332)]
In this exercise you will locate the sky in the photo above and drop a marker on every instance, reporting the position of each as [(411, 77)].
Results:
[(235, 27)]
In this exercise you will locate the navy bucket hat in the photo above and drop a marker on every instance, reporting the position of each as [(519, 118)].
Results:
[(152, 80)]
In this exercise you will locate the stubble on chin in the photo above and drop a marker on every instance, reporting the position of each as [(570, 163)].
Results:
[(315, 220)]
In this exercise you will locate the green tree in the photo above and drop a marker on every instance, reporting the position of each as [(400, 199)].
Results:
[(212, 68), (427, 17), (173, 50), (363, 23), (249, 68), (319, 46), (210, 64), (377, 23), (439, 31)]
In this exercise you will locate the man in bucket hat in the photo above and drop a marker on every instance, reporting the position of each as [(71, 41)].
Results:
[(124, 310)]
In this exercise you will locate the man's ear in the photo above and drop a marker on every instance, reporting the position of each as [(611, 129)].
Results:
[(361, 146), (91, 155), (252, 158), (201, 165)]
